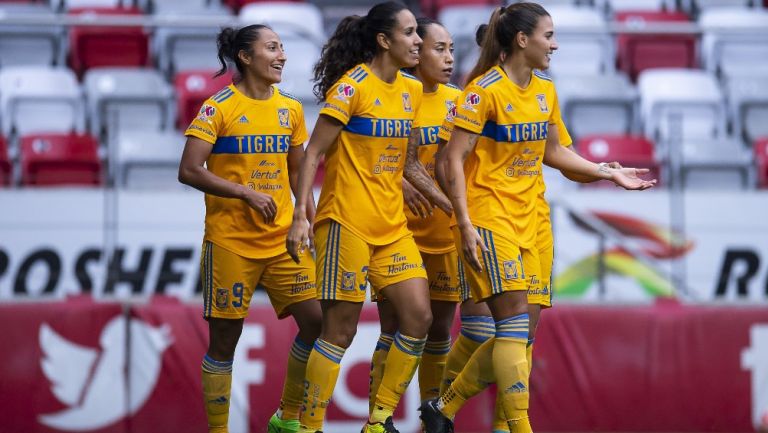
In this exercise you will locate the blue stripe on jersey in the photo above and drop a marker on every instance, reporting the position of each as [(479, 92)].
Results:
[(288, 95), (489, 82), (541, 74), (429, 135), (252, 144), (223, 95), (515, 132), (397, 128), (358, 74), (453, 86), (488, 77), (355, 72)]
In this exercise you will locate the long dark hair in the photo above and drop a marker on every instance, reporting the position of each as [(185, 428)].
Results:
[(498, 36), (353, 42), (231, 41)]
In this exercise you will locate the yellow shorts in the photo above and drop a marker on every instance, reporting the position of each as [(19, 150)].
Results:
[(346, 263), (443, 276), (545, 245), (229, 281), (506, 267)]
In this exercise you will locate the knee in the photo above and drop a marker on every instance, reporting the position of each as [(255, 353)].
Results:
[(440, 329), (418, 323), (340, 335)]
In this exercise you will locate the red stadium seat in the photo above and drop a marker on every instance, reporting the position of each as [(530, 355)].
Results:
[(91, 47), (761, 160), (192, 88), (629, 150), (432, 7), (637, 52), (5, 164), (60, 159)]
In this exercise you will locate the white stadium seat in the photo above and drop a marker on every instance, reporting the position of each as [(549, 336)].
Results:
[(603, 104), (716, 164), (29, 45), (635, 5), (148, 159), (694, 94), (37, 99), (127, 99), (585, 47), (748, 106), (735, 40), (300, 18)]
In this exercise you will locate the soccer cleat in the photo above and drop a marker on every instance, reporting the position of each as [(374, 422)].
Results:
[(434, 421), (386, 427), (277, 425)]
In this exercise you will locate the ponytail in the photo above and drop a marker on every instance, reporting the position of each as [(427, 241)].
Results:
[(231, 41), (498, 36), (353, 42)]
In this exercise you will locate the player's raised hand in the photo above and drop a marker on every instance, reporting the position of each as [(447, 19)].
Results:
[(262, 203), (298, 238), (629, 178), (470, 242)]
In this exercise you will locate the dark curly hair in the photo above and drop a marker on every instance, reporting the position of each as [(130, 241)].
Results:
[(231, 41), (353, 42)]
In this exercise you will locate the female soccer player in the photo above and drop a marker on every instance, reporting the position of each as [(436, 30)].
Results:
[(507, 122), (367, 124), (431, 230), (244, 151)]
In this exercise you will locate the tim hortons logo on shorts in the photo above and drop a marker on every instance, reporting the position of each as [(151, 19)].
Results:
[(97, 396)]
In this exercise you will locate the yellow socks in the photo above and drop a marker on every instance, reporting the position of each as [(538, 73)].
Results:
[(321, 374), (499, 419), (293, 389), (217, 383), (401, 363), (511, 368), (431, 368), (475, 377), (475, 330), (377, 367)]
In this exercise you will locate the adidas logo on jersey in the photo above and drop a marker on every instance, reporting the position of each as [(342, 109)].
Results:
[(510, 108), (377, 102), (243, 119), (518, 387)]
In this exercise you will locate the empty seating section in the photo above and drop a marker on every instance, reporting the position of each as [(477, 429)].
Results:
[(95, 46), (134, 81), (59, 159), (637, 52)]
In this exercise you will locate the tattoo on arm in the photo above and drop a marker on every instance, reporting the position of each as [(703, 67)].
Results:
[(415, 173)]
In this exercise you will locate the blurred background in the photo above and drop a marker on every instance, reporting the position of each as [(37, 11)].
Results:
[(661, 317)]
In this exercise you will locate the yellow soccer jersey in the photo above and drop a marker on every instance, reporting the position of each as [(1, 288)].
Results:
[(362, 189), (433, 235), (250, 140), (503, 171)]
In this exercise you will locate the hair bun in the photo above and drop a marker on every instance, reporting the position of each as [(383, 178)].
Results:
[(480, 34)]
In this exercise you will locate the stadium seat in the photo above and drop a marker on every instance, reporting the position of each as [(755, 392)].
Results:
[(127, 99), (96, 46), (39, 99), (59, 159), (149, 159), (635, 5), (637, 52), (735, 41), (761, 161), (6, 169), (697, 6), (602, 104), (192, 89), (299, 18), (200, 7), (302, 53), (694, 94), (462, 23), (721, 163), (629, 150), (29, 45), (581, 52), (186, 48), (235, 5), (77, 4), (748, 106)]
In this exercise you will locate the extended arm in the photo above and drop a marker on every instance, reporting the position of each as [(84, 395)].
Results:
[(417, 175), (295, 158)]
